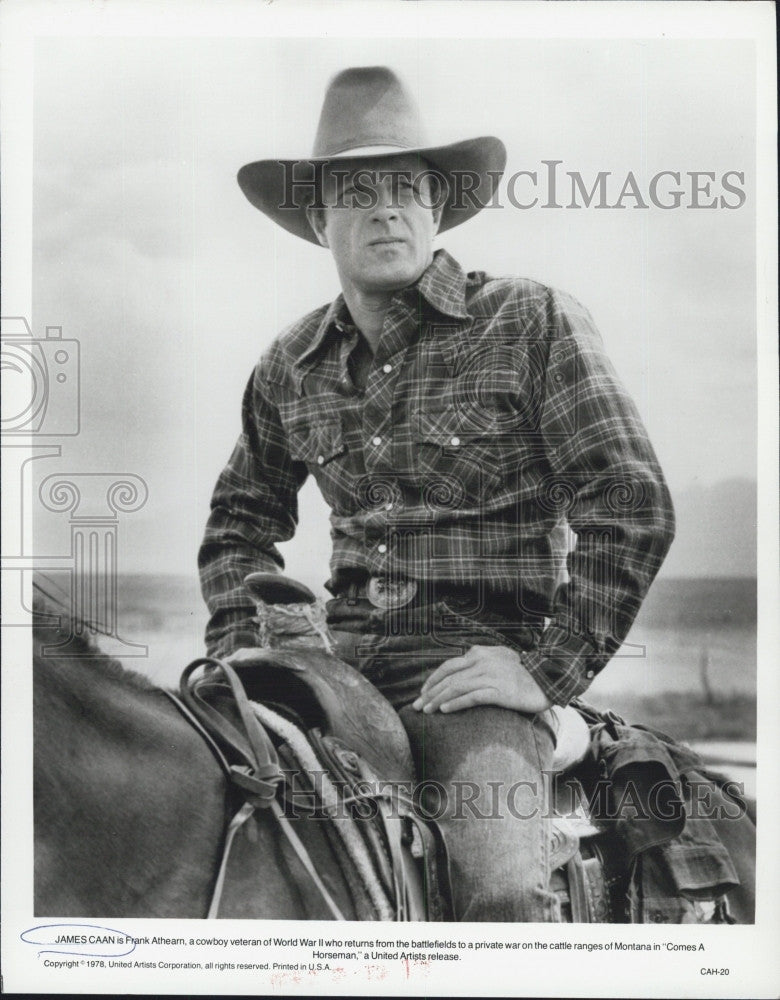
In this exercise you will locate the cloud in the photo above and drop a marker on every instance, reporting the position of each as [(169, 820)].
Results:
[(143, 204), (148, 253)]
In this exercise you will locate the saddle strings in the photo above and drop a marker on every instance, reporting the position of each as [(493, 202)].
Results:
[(278, 622), (281, 622)]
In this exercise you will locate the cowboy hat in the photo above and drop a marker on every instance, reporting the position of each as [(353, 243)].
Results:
[(368, 113)]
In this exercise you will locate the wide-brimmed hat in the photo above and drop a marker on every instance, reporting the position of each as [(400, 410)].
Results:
[(368, 113)]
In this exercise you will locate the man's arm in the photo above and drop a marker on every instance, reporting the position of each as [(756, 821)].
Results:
[(254, 506), (617, 501), (606, 480)]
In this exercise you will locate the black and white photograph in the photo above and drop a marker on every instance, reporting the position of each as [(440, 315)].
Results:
[(389, 447)]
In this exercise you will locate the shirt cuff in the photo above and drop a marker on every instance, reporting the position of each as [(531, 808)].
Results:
[(227, 641), (563, 665)]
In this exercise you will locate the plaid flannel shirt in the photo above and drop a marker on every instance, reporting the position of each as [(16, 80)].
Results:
[(491, 446)]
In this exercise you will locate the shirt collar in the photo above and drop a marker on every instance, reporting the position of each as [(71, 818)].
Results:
[(336, 317), (442, 285)]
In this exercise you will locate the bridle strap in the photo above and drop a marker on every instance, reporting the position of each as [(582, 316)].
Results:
[(259, 772), (202, 731), (258, 779), (243, 814), (246, 811), (305, 859)]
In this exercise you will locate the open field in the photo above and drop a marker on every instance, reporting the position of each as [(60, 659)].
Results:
[(687, 716), (688, 668)]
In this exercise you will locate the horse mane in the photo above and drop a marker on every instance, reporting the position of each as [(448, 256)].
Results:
[(81, 646)]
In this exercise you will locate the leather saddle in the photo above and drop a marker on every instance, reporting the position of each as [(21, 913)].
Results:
[(290, 712), (357, 736), (289, 744), (342, 712), (319, 692)]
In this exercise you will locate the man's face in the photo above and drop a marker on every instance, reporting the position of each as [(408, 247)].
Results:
[(378, 223)]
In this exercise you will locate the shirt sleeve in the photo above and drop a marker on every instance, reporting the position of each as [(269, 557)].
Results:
[(254, 506), (606, 483)]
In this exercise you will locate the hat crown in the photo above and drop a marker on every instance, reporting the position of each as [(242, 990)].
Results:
[(368, 112), (367, 106)]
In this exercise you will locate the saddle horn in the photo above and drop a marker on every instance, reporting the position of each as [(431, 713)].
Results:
[(274, 588)]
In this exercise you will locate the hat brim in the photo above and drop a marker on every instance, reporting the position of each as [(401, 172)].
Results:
[(472, 167)]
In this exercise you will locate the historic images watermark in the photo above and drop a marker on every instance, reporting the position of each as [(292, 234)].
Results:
[(553, 797), (41, 382), (550, 185), (41, 406)]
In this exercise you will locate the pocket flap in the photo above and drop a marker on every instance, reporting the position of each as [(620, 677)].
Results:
[(455, 425), (317, 444)]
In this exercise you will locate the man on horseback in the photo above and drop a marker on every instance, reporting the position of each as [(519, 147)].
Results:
[(458, 426)]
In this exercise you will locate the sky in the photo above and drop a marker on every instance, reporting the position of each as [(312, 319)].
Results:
[(147, 252)]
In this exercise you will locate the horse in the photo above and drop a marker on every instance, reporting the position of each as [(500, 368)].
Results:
[(131, 805), (131, 808)]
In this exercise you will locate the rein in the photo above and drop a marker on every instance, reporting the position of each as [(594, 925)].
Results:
[(257, 779)]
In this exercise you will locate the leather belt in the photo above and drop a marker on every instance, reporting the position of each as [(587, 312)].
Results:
[(389, 593), (383, 592)]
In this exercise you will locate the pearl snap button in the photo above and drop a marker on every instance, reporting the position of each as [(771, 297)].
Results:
[(387, 369), (589, 673), (455, 441), (320, 459), (382, 548), (377, 440)]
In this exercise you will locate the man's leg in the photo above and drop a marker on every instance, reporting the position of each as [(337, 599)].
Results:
[(488, 762), (481, 769)]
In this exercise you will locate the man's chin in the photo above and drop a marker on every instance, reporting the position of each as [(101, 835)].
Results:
[(393, 279)]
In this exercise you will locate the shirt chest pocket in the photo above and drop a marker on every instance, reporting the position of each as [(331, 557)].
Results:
[(472, 450), (499, 387), (317, 444)]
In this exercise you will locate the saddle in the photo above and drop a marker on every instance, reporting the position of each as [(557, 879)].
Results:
[(322, 694), (303, 727), (259, 716), (297, 711)]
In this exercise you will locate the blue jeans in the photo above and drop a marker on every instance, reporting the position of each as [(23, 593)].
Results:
[(481, 770)]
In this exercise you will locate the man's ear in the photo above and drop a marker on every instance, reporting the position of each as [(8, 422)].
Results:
[(437, 214), (442, 197), (316, 217)]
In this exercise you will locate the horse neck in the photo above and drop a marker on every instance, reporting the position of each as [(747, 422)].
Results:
[(105, 699), (124, 787), (99, 712)]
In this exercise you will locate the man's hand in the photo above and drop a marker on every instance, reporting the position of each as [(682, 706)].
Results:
[(485, 675)]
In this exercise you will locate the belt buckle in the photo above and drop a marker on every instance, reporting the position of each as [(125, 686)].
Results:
[(389, 594)]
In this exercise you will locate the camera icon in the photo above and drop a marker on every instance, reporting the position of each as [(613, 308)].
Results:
[(40, 381)]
